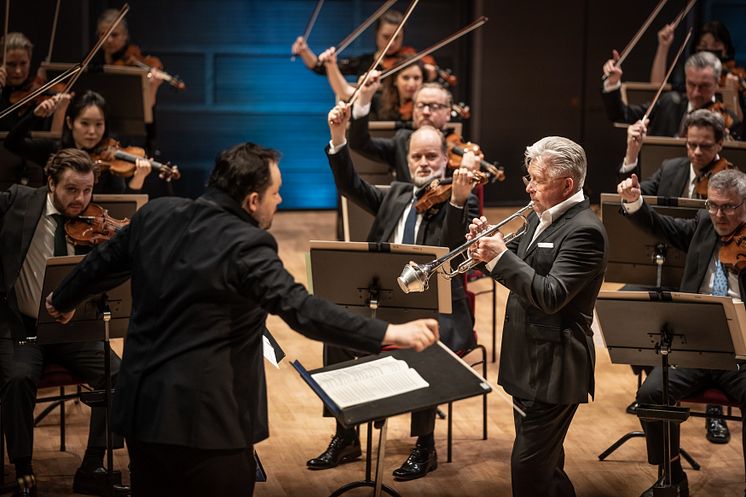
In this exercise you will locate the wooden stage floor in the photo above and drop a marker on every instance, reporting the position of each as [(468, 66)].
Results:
[(298, 432)]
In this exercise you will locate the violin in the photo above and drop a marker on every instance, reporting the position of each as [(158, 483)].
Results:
[(456, 149), (704, 180), (733, 250), (405, 110), (121, 161), (93, 226), (134, 57), (445, 77), (720, 108), (460, 111)]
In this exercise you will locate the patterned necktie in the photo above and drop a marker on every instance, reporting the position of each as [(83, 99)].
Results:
[(60, 243), (720, 281)]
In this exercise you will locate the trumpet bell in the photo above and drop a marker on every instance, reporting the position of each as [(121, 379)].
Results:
[(413, 278)]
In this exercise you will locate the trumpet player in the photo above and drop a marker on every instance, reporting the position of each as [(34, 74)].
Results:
[(397, 221), (554, 273)]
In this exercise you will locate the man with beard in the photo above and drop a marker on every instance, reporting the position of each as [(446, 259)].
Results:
[(31, 231), (700, 238), (397, 221)]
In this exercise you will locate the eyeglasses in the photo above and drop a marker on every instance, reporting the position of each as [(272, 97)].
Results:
[(726, 209), (434, 106), (704, 147), (527, 179)]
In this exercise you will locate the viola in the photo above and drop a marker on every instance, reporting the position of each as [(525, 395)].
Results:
[(121, 161), (704, 180), (93, 226), (733, 250), (133, 56), (456, 149)]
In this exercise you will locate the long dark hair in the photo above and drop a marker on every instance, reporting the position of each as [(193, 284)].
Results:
[(390, 101), (76, 107)]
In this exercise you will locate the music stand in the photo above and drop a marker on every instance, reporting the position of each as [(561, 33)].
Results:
[(365, 283), (637, 256), (671, 328), (656, 149), (113, 307), (126, 91)]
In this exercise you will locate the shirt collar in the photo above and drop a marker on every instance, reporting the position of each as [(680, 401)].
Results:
[(690, 107), (51, 209), (548, 216)]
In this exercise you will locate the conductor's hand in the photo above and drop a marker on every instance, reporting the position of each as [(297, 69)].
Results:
[(612, 71), (629, 189), (337, 119), (61, 317), (418, 335)]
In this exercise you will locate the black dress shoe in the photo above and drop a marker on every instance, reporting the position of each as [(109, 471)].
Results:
[(340, 450), (95, 482), (420, 461), (717, 430), (26, 486), (682, 484)]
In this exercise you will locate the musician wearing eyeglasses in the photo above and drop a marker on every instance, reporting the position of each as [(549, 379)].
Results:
[(432, 107), (397, 220), (706, 271), (554, 272)]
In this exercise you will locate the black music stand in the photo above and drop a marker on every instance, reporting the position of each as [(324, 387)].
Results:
[(113, 308), (365, 283), (638, 257), (671, 329)]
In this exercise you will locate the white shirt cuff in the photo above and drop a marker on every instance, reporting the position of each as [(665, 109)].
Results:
[(491, 265), (608, 88), (456, 206), (359, 111), (333, 150), (632, 207), (627, 167)]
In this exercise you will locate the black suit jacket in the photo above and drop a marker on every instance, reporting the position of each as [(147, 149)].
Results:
[(547, 349), (20, 208), (669, 180), (665, 120), (392, 151), (442, 226), (204, 277)]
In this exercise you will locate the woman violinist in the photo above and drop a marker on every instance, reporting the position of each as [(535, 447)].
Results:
[(85, 129), (395, 102)]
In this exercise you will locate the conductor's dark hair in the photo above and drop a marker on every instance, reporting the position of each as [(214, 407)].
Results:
[(69, 158), (243, 169)]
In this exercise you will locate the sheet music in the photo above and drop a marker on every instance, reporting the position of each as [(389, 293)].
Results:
[(369, 381)]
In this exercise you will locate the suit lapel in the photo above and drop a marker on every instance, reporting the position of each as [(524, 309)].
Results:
[(533, 223), (31, 218), (552, 228)]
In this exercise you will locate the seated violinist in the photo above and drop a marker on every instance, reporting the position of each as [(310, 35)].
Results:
[(702, 71), (85, 129), (398, 220), (16, 79), (43, 211), (712, 246)]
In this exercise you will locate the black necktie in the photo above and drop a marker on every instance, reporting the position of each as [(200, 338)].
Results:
[(411, 221), (60, 242)]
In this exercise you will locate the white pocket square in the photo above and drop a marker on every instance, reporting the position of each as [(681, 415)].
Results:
[(545, 245)]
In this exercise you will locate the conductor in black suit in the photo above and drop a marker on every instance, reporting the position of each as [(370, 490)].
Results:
[(680, 176), (397, 221), (702, 73), (191, 399), (31, 231), (554, 272), (700, 238)]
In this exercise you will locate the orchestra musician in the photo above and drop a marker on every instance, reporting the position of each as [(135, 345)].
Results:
[(702, 71), (85, 129), (554, 273), (42, 212), (397, 221), (191, 399), (701, 238), (685, 177), (432, 107)]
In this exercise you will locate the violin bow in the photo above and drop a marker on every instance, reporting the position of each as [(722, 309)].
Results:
[(378, 60), (122, 12), (668, 75), (54, 32), (638, 35), (419, 55), (31, 96), (310, 23), (360, 29), (5, 31), (683, 13)]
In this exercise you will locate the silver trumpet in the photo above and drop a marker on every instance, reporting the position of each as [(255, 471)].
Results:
[(415, 277)]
